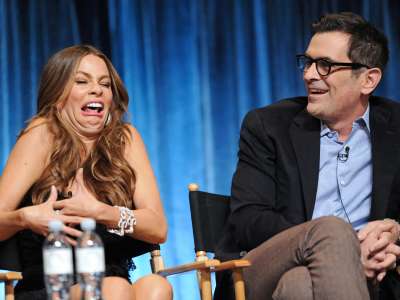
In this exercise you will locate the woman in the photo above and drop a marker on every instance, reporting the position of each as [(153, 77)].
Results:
[(78, 146)]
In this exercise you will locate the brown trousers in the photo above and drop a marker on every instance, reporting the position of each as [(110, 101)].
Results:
[(317, 260)]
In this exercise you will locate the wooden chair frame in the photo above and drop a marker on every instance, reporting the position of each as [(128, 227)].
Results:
[(8, 279), (205, 266)]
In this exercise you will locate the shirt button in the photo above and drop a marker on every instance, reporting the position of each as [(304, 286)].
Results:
[(342, 182), (330, 135)]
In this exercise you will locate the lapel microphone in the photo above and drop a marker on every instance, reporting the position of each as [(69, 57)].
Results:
[(344, 156)]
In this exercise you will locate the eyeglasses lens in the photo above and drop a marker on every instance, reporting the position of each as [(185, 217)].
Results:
[(304, 63)]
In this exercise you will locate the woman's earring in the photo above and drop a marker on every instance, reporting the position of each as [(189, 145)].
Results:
[(108, 119)]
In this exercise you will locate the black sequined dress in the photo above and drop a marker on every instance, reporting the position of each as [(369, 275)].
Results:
[(118, 255)]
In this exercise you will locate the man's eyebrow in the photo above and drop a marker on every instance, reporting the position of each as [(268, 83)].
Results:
[(327, 58), (90, 76)]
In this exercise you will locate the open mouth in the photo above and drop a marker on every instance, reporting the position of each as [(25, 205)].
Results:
[(96, 107), (314, 91)]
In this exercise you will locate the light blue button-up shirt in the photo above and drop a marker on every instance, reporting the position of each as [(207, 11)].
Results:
[(345, 174)]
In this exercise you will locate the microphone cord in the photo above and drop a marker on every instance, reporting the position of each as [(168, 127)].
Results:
[(343, 158)]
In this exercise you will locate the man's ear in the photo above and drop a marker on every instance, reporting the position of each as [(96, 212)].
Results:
[(371, 79)]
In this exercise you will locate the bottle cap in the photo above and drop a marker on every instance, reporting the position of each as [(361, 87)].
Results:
[(88, 224), (55, 225)]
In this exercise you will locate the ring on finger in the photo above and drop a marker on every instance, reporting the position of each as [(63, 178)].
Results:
[(57, 212)]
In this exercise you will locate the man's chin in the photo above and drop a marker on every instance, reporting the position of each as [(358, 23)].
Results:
[(313, 110)]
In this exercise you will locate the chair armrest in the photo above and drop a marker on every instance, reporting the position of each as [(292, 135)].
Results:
[(198, 265), (232, 264), (7, 276)]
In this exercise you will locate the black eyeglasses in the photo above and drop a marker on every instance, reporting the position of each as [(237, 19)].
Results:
[(324, 66)]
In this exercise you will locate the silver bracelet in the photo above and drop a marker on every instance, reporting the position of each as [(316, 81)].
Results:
[(126, 223)]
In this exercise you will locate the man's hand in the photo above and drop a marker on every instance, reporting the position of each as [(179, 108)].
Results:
[(378, 249), (376, 228)]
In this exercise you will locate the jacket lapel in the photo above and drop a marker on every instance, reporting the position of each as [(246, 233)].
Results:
[(385, 139), (305, 137)]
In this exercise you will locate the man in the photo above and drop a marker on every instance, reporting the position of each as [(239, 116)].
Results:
[(315, 192)]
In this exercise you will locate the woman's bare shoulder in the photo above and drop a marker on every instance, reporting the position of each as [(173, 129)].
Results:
[(35, 140), (135, 146), (132, 129), (37, 129), (133, 134), (26, 162)]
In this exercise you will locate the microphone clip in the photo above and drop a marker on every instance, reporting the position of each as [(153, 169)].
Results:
[(344, 156)]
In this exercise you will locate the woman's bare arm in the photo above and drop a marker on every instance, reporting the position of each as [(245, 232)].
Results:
[(151, 224), (24, 167)]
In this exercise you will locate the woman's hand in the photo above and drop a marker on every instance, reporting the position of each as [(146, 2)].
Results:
[(37, 217), (82, 203)]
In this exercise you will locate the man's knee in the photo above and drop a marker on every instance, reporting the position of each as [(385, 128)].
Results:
[(334, 235), (334, 227), (295, 284)]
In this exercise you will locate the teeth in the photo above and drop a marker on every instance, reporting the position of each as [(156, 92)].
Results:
[(94, 105), (317, 91)]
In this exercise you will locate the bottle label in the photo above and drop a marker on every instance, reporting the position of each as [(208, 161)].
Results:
[(57, 261), (90, 260)]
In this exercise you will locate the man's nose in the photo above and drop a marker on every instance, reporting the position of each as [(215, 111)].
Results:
[(311, 73)]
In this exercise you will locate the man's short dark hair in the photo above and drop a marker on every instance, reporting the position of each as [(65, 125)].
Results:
[(367, 45)]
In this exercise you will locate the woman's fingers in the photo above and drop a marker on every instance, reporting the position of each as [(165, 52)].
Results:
[(72, 234), (72, 231), (71, 241), (53, 195), (65, 207), (59, 204), (71, 220)]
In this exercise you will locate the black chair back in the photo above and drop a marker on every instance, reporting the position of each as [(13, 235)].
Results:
[(9, 259), (209, 214)]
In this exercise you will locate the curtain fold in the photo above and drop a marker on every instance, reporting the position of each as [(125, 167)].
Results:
[(193, 68)]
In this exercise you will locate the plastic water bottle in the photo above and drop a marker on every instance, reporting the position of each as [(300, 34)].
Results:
[(90, 265), (57, 263)]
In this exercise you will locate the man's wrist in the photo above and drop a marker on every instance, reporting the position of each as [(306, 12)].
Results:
[(396, 230)]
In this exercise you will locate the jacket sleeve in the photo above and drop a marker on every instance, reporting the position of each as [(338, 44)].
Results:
[(255, 217)]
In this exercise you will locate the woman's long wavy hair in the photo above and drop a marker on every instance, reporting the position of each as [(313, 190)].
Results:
[(106, 172)]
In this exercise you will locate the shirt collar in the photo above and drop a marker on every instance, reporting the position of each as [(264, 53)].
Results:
[(363, 121)]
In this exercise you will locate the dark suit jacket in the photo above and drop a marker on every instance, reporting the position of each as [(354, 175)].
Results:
[(275, 183)]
